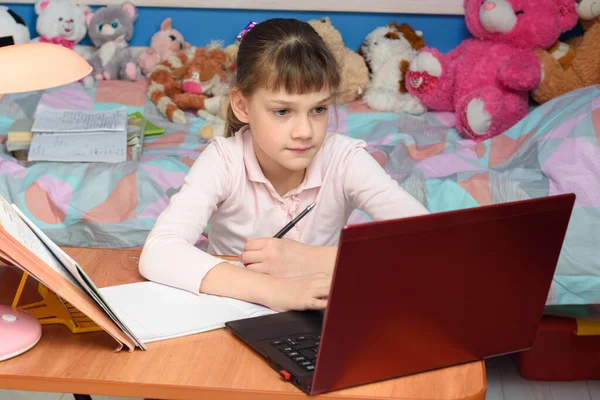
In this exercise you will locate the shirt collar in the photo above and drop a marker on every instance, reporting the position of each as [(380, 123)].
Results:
[(314, 171)]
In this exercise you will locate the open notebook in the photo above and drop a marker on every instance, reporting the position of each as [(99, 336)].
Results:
[(133, 314)]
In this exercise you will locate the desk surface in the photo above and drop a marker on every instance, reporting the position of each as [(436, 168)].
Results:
[(210, 365)]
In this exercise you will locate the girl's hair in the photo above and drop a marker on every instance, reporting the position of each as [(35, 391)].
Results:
[(284, 54)]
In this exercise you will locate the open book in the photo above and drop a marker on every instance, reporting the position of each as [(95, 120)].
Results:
[(133, 314)]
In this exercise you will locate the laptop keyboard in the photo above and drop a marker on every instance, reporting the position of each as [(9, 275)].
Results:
[(301, 348)]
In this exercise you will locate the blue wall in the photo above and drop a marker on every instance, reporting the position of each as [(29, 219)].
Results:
[(199, 26)]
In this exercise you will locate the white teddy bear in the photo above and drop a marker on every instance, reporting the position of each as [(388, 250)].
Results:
[(60, 22), (388, 51)]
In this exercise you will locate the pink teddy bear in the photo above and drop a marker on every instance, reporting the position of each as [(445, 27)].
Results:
[(164, 43), (486, 79)]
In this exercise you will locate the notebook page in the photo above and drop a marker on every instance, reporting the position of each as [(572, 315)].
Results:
[(251, 310), (159, 312), (79, 147), (49, 119)]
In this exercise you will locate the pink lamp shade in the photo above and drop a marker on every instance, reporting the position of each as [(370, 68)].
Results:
[(36, 66)]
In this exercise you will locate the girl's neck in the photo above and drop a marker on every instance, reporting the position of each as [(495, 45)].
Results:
[(284, 182), (282, 179)]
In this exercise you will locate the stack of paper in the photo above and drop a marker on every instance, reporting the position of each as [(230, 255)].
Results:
[(79, 136)]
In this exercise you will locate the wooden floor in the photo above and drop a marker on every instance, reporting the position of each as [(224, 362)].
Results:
[(504, 383)]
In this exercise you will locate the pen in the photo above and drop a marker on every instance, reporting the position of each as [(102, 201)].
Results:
[(293, 222), (279, 234)]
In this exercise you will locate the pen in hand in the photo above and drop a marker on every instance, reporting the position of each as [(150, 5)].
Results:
[(293, 222), (279, 234)]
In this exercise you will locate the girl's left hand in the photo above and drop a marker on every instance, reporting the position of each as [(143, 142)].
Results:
[(282, 257)]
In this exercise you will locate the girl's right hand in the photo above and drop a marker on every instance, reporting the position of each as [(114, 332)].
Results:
[(306, 292)]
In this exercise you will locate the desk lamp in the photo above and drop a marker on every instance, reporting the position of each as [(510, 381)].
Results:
[(24, 68)]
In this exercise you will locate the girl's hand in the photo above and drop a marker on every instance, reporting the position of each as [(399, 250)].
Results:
[(286, 258), (307, 292)]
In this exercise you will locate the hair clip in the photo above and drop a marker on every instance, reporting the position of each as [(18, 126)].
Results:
[(247, 29)]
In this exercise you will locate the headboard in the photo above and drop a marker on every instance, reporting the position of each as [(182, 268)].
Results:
[(364, 6)]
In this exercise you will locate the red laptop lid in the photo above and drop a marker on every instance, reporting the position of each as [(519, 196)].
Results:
[(432, 291)]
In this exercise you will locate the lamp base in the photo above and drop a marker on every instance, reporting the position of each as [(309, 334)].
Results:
[(19, 330)]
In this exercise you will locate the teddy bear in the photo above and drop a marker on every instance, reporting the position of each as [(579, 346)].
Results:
[(388, 51), (60, 22), (110, 28), (584, 68), (355, 75), (13, 29), (164, 43), (486, 80)]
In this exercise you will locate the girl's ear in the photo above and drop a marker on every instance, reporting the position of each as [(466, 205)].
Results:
[(239, 105)]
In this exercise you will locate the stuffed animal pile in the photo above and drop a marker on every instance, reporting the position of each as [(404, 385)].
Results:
[(514, 54), (486, 80), (190, 80)]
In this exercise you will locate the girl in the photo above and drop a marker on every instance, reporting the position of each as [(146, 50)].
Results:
[(276, 159)]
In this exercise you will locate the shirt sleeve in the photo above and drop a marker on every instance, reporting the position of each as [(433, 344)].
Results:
[(368, 187), (169, 255)]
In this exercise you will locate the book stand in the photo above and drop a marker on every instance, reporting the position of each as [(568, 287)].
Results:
[(53, 310)]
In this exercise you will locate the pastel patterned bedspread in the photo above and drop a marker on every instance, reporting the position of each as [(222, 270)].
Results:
[(556, 149)]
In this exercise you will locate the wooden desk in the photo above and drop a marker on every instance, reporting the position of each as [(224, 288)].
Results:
[(210, 365)]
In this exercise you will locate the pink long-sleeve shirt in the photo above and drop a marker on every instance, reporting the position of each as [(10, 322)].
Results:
[(227, 189)]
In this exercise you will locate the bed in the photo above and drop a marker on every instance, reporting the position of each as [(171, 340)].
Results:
[(555, 149)]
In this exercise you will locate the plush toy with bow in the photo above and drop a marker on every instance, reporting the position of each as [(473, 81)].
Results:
[(110, 28), (60, 22)]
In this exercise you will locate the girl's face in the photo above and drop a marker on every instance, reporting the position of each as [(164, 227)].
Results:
[(287, 129)]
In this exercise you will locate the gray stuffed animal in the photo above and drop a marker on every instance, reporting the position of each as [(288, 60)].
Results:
[(110, 28)]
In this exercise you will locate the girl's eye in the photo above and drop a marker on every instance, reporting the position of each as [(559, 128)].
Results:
[(114, 24), (282, 113), (320, 110)]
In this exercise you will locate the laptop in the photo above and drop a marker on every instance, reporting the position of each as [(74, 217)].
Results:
[(421, 293)]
